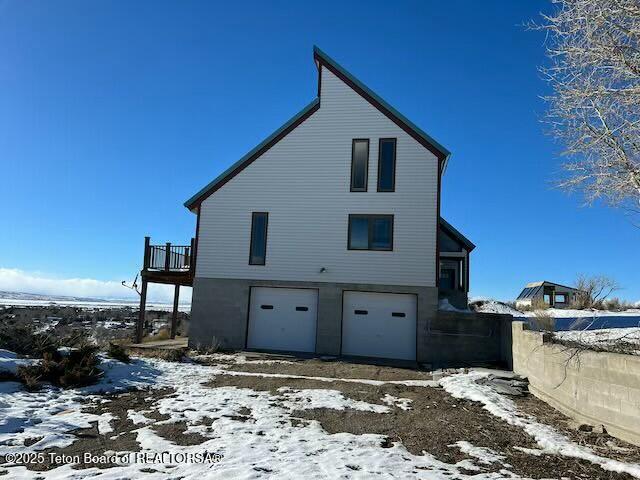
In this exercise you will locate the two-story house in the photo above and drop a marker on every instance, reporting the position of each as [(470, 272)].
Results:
[(327, 238)]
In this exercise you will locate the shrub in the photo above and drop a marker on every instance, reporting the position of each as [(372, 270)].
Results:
[(214, 347), (593, 291), (118, 352), (615, 305), (24, 340), (77, 368), (539, 304), (543, 320), (29, 378), (171, 354), (163, 334)]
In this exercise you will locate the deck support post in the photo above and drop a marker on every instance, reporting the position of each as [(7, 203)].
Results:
[(143, 305), (174, 317)]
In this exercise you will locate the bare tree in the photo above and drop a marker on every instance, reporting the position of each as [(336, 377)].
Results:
[(594, 111), (593, 291)]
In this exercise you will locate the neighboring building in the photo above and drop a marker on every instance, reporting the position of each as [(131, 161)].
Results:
[(454, 265), (551, 294), (327, 237)]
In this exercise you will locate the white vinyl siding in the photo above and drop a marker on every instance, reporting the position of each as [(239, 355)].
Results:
[(303, 182)]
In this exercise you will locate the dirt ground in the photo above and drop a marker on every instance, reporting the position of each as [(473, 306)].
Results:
[(334, 369), (435, 421)]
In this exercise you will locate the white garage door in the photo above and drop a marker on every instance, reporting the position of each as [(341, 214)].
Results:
[(379, 325), (283, 319)]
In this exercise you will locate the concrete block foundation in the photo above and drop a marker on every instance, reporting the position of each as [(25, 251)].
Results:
[(220, 313)]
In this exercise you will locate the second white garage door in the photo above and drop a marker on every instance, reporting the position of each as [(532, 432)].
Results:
[(379, 325), (283, 319)]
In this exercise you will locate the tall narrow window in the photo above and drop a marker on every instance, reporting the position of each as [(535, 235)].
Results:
[(387, 165), (258, 249), (359, 165)]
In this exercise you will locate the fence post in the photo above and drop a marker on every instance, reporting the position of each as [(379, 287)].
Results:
[(143, 304), (167, 256), (147, 252), (174, 317)]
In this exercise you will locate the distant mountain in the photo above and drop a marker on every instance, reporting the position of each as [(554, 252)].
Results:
[(51, 298)]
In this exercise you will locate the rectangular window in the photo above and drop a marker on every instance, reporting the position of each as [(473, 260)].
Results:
[(370, 232), (387, 165), (359, 165), (258, 249), (561, 298)]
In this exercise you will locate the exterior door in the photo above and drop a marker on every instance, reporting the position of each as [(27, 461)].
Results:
[(283, 319), (379, 325)]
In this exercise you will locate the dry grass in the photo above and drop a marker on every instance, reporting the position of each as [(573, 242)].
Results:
[(118, 352), (543, 320), (76, 368), (163, 334)]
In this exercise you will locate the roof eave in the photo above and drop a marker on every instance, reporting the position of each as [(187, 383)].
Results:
[(456, 233), (433, 145), (196, 199)]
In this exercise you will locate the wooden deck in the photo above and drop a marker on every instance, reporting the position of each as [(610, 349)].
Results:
[(166, 264), (184, 279), (171, 344), (159, 347)]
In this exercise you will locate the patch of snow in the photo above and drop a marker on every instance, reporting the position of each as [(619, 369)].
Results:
[(49, 414), (309, 399), (572, 313), (9, 362), (401, 403), (366, 381), (104, 423), (445, 306), (536, 452), (484, 455), (237, 359), (494, 306), (138, 417), (550, 441), (602, 338)]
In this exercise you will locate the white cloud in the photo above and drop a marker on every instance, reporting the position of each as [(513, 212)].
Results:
[(14, 280)]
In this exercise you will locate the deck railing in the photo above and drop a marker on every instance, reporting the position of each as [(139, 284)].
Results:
[(168, 257)]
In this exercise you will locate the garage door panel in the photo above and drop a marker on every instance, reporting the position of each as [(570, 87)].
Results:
[(379, 325), (282, 319)]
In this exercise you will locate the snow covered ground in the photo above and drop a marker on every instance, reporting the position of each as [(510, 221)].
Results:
[(9, 362), (251, 433), (494, 306), (605, 339), (92, 304), (571, 313)]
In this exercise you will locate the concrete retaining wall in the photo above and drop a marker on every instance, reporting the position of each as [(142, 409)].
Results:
[(465, 339), (596, 388)]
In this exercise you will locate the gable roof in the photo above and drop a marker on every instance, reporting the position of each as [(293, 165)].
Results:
[(395, 116), (265, 145), (447, 227), (323, 59), (546, 282), (532, 289)]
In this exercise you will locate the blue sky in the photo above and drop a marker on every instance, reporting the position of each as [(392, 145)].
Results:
[(112, 114)]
